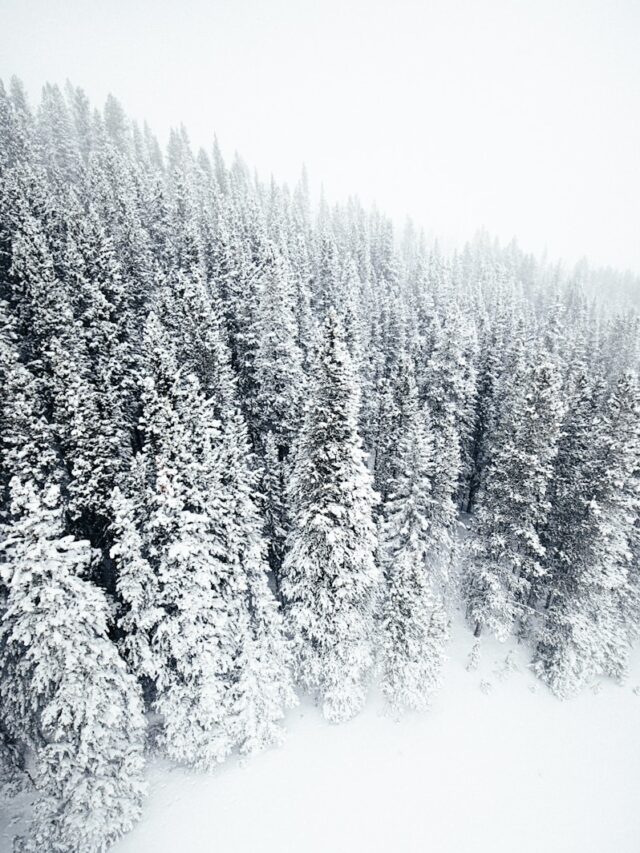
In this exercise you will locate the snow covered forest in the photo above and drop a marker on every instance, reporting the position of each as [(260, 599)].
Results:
[(254, 447)]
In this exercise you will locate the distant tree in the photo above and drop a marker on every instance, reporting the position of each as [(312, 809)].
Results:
[(448, 388)]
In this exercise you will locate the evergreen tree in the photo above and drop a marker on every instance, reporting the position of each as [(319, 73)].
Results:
[(193, 584), (596, 503), (414, 621), (26, 438), (448, 386), (503, 576), (330, 579), (278, 403), (65, 693)]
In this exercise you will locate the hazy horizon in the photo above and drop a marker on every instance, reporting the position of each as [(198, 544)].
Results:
[(519, 118)]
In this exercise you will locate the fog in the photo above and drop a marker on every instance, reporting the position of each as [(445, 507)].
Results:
[(523, 117)]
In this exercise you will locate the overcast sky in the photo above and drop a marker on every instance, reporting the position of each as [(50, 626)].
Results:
[(522, 116)]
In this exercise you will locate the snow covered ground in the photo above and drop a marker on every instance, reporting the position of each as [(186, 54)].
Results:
[(498, 766)]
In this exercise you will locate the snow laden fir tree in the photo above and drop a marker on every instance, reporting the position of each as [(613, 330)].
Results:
[(331, 582), (194, 586), (239, 436), (65, 691), (413, 552)]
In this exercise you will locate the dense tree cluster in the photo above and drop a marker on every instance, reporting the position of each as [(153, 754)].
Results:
[(239, 440)]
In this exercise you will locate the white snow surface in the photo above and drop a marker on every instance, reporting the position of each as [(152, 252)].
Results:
[(498, 765)]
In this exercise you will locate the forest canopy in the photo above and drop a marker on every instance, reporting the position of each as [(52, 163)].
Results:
[(251, 445)]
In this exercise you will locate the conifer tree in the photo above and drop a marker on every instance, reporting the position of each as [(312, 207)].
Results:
[(279, 392), (448, 385), (330, 579), (414, 623), (198, 611), (65, 693), (584, 632), (27, 448), (502, 578)]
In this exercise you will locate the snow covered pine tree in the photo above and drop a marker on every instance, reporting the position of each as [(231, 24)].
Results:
[(65, 693), (200, 621), (330, 578), (414, 621)]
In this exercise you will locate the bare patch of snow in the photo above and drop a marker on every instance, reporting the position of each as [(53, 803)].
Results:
[(514, 769)]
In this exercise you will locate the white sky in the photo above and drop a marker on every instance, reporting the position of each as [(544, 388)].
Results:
[(521, 116)]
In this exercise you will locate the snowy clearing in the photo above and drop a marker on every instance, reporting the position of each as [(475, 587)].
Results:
[(498, 765)]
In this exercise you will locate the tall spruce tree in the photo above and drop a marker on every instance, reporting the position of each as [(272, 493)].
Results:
[(65, 693), (198, 611), (503, 575), (330, 579), (589, 541), (414, 621), (279, 393)]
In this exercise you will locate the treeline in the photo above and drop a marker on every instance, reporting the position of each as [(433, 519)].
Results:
[(239, 440)]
